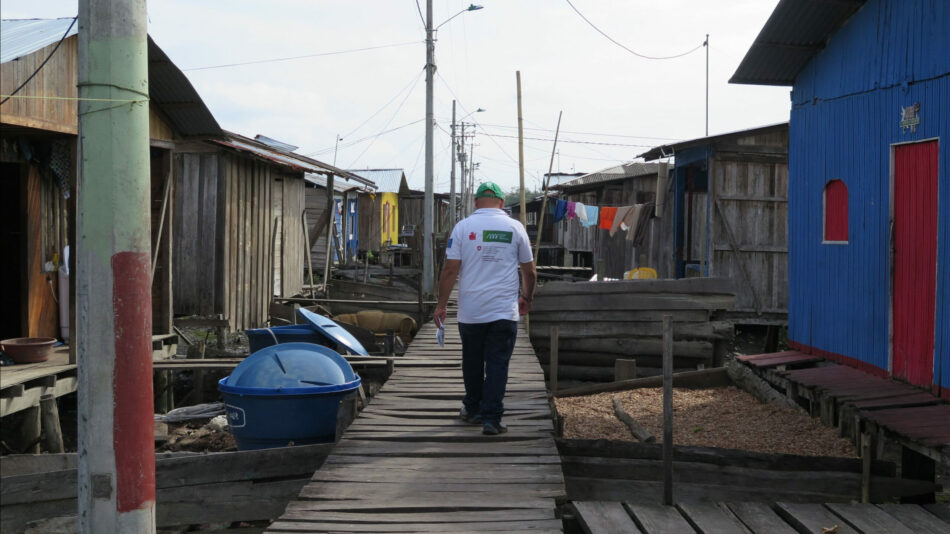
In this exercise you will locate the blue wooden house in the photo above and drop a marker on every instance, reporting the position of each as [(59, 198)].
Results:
[(869, 194)]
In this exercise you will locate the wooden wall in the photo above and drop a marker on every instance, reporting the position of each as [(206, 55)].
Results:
[(369, 221), (195, 230), (57, 78), (751, 203), (45, 236), (316, 205), (294, 249)]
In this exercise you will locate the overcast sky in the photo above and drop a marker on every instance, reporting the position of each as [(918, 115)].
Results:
[(616, 105)]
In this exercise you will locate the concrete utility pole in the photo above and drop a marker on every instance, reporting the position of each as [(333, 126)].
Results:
[(452, 207), (427, 213), (114, 301)]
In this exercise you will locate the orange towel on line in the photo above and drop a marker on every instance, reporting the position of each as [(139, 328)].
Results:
[(607, 217)]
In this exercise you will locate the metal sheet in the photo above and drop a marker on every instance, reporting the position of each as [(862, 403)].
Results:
[(331, 329)]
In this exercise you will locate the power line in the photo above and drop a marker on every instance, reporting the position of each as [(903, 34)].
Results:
[(320, 54), (446, 84), (614, 41), (401, 104), (412, 82), (574, 141), (587, 133), (38, 69)]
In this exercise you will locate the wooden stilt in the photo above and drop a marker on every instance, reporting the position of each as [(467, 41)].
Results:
[(668, 410), (30, 431), (50, 421), (552, 371)]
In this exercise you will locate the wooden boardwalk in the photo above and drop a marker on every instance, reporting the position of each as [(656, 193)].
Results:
[(601, 517), (408, 464)]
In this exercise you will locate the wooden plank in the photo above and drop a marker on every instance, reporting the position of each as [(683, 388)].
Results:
[(600, 517), (806, 518), (298, 511), (941, 510), (760, 518), (547, 525), (711, 518), (868, 518), (916, 518), (657, 519)]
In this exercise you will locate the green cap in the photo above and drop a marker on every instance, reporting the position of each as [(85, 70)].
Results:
[(489, 189)]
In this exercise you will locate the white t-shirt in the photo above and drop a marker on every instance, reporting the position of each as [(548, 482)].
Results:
[(491, 246)]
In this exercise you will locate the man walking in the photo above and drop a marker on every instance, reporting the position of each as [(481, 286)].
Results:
[(486, 252)]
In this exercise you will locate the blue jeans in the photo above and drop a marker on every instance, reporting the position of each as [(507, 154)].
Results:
[(486, 351)]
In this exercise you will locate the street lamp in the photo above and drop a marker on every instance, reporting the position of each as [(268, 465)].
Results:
[(452, 188), (428, 272)]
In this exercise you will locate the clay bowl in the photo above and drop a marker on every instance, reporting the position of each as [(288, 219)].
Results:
[(28, 349)]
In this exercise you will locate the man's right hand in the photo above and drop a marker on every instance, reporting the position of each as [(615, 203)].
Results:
[(439, 315)]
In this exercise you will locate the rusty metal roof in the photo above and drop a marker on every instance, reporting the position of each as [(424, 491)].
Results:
[(339, 185), (795, 32), (666, 151), (618, 172), (282, 157)]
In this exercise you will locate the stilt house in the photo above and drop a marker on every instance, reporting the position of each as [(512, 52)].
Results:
[(869, 189), (727, 217)]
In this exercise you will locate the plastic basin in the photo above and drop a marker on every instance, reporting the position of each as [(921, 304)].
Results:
[(28, 349), (287, 394)]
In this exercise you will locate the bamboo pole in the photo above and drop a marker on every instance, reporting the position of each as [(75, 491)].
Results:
[(668, 410), (330, 222), (524, 214), (547, 182), (306, 239)]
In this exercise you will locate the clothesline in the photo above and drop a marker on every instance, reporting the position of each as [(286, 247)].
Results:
[(630, 219)]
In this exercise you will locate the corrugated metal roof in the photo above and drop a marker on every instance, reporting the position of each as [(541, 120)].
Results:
[(169, 88), (20, 37), (387, 180), (794, 33), (626, 170), (665, 151), (282, 157), (339, 184)]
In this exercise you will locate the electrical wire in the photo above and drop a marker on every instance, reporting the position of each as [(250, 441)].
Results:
[(573, 141), (373, 141), (38, 69), (586, 133), (503, 151), (423, 19), (412, 82), (291, 58), (614, 41)]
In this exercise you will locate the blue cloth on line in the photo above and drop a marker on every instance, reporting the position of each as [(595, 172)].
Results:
[(593, 214), (560, 210)]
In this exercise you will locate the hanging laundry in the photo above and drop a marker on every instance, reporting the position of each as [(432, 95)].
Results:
[(591, 214), (571, 206), (581, 212), (607, 217), (637, 232), (560, 210), (620, 218)]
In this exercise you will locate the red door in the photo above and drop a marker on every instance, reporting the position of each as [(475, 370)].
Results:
[(915, 261)]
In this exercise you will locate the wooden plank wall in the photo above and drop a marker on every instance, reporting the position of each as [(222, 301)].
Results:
[(294, 248), (59, 77), (369, 221), (316, 206), (195, 231), (162, 293), (753, 198)]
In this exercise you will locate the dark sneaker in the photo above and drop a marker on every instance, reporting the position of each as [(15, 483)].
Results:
[(493, 429), (475, 419)]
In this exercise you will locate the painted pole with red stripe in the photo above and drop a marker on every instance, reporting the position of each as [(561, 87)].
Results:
[(113, 267)]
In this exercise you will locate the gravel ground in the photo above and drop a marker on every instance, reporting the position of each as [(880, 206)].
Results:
[(721, 417)]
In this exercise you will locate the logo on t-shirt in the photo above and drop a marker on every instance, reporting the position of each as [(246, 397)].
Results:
[(471, 236), (495, 236)]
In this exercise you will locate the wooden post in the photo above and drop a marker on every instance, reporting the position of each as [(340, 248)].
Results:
[(50, 422), (625, 369), (330, 222), (306, 239), (524, 215), (30, 431), (668, 410), (600, 269), (544, 196), (865, 467), (552, 370)]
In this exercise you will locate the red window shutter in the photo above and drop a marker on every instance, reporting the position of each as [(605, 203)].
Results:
[(836, 211)]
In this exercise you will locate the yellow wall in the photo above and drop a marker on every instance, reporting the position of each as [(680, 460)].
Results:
[(389, 218)]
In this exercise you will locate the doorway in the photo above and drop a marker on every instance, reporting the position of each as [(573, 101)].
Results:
[(11, 241), (915, 261)]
